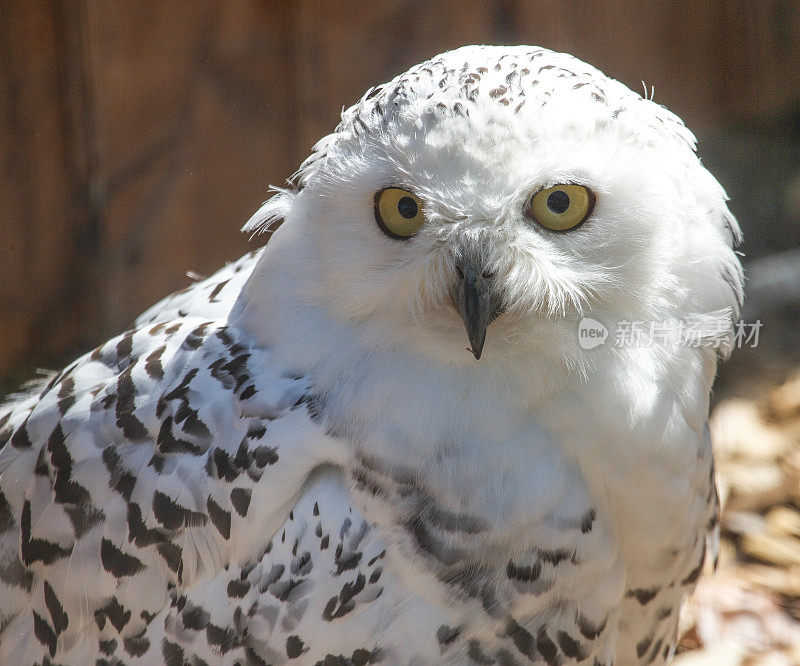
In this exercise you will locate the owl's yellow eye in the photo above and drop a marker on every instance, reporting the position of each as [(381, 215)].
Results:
[(561, 207), (398, 212)]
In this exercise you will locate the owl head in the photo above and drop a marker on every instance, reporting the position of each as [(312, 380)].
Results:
[(480, 204)]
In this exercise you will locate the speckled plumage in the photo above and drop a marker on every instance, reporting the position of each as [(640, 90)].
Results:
[(296, 460)]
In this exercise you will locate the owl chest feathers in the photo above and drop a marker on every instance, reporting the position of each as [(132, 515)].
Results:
[(485, 503), (498, 496)]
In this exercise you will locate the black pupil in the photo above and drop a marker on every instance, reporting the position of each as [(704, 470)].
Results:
[(558, 201), (408, 208)]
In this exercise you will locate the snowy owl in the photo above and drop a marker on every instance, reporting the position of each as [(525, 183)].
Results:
[(379, 439)]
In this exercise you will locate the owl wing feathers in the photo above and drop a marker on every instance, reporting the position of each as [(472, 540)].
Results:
[(138, 472)]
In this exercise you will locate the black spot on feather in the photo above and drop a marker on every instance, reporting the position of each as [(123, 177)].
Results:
[(588, 629), (194, 339), (20, 439), (6, 517), (172, 653), (195, 617), (212, 297), (569, 646), (546, 647), (117, 562), (240, 498), (643, 646), (115, 613), (136, 646), (172, 515), (168, 443), (153, 365), (523, 639), (56, 610), (66, 490), (643, 596), (295, 647), (131, 426), (225, 640), (527, 574), (220, 518), (66, 398), (125, 346), (83, 518), (44, 633), (446, 634), (37, 550), (172, 555), (588, 521), (238, 588)]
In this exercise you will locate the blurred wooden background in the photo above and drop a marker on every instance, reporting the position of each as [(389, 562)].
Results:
[(137, 137)]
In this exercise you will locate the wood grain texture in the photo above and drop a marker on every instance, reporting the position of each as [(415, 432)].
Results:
[(48, 231)]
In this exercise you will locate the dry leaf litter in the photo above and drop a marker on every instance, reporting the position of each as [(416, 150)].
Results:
[(748, 612)]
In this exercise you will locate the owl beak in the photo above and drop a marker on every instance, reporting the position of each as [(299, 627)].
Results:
[(477, 300)]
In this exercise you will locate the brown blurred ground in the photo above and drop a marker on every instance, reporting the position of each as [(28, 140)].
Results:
[(136, 138), (748, 613)]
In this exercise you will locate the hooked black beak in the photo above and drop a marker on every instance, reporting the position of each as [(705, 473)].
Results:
[(476, 300)]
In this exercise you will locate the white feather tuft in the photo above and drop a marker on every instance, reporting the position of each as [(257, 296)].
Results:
[(272, 212)]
